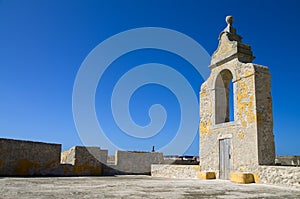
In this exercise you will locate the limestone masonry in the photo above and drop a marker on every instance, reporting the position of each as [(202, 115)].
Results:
[(25, 158), (236, 121), (247, 141)]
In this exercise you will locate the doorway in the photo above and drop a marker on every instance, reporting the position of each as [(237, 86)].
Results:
[(225, 158)]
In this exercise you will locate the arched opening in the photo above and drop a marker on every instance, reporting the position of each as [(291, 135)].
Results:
[(224, 111)]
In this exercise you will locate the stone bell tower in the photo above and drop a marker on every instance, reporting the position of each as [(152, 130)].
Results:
[(236, 87)]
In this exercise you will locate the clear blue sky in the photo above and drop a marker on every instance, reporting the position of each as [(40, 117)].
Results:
[(43, 43)]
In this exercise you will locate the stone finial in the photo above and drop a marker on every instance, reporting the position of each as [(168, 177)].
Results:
[(229, 20), (231, 46), (230, 29)]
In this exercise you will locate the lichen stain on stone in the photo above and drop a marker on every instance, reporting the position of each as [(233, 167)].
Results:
[(259, 119), (245, 104), (249, 72), (78, 169), (204, 127), (67, 170), (241, 135), (202, 94), (244, 124), (50, 164), (23, 167), (205, 124)]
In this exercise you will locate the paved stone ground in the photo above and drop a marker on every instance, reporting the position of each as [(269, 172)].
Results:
[(136, 187)]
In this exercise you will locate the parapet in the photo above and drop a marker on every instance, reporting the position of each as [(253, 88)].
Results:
[(27, 158)]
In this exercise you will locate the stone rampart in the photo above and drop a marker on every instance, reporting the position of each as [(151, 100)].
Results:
[(26, 158)]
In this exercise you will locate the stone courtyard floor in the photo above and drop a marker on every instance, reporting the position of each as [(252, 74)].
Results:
[(136, 187)]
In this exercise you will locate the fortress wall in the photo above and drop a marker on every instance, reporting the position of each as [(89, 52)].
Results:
[(26, 158)]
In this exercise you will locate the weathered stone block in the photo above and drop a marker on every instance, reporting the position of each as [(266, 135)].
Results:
[(243, 178), (207, 175)]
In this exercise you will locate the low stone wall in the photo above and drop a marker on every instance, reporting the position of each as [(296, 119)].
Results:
[(136, 162), (26, 158), (280, 175), (277, 175), (175, 171)]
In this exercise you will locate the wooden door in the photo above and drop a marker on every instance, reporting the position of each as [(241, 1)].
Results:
[(225, 156)]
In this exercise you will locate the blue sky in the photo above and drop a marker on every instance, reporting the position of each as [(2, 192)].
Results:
[(43, 44)]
